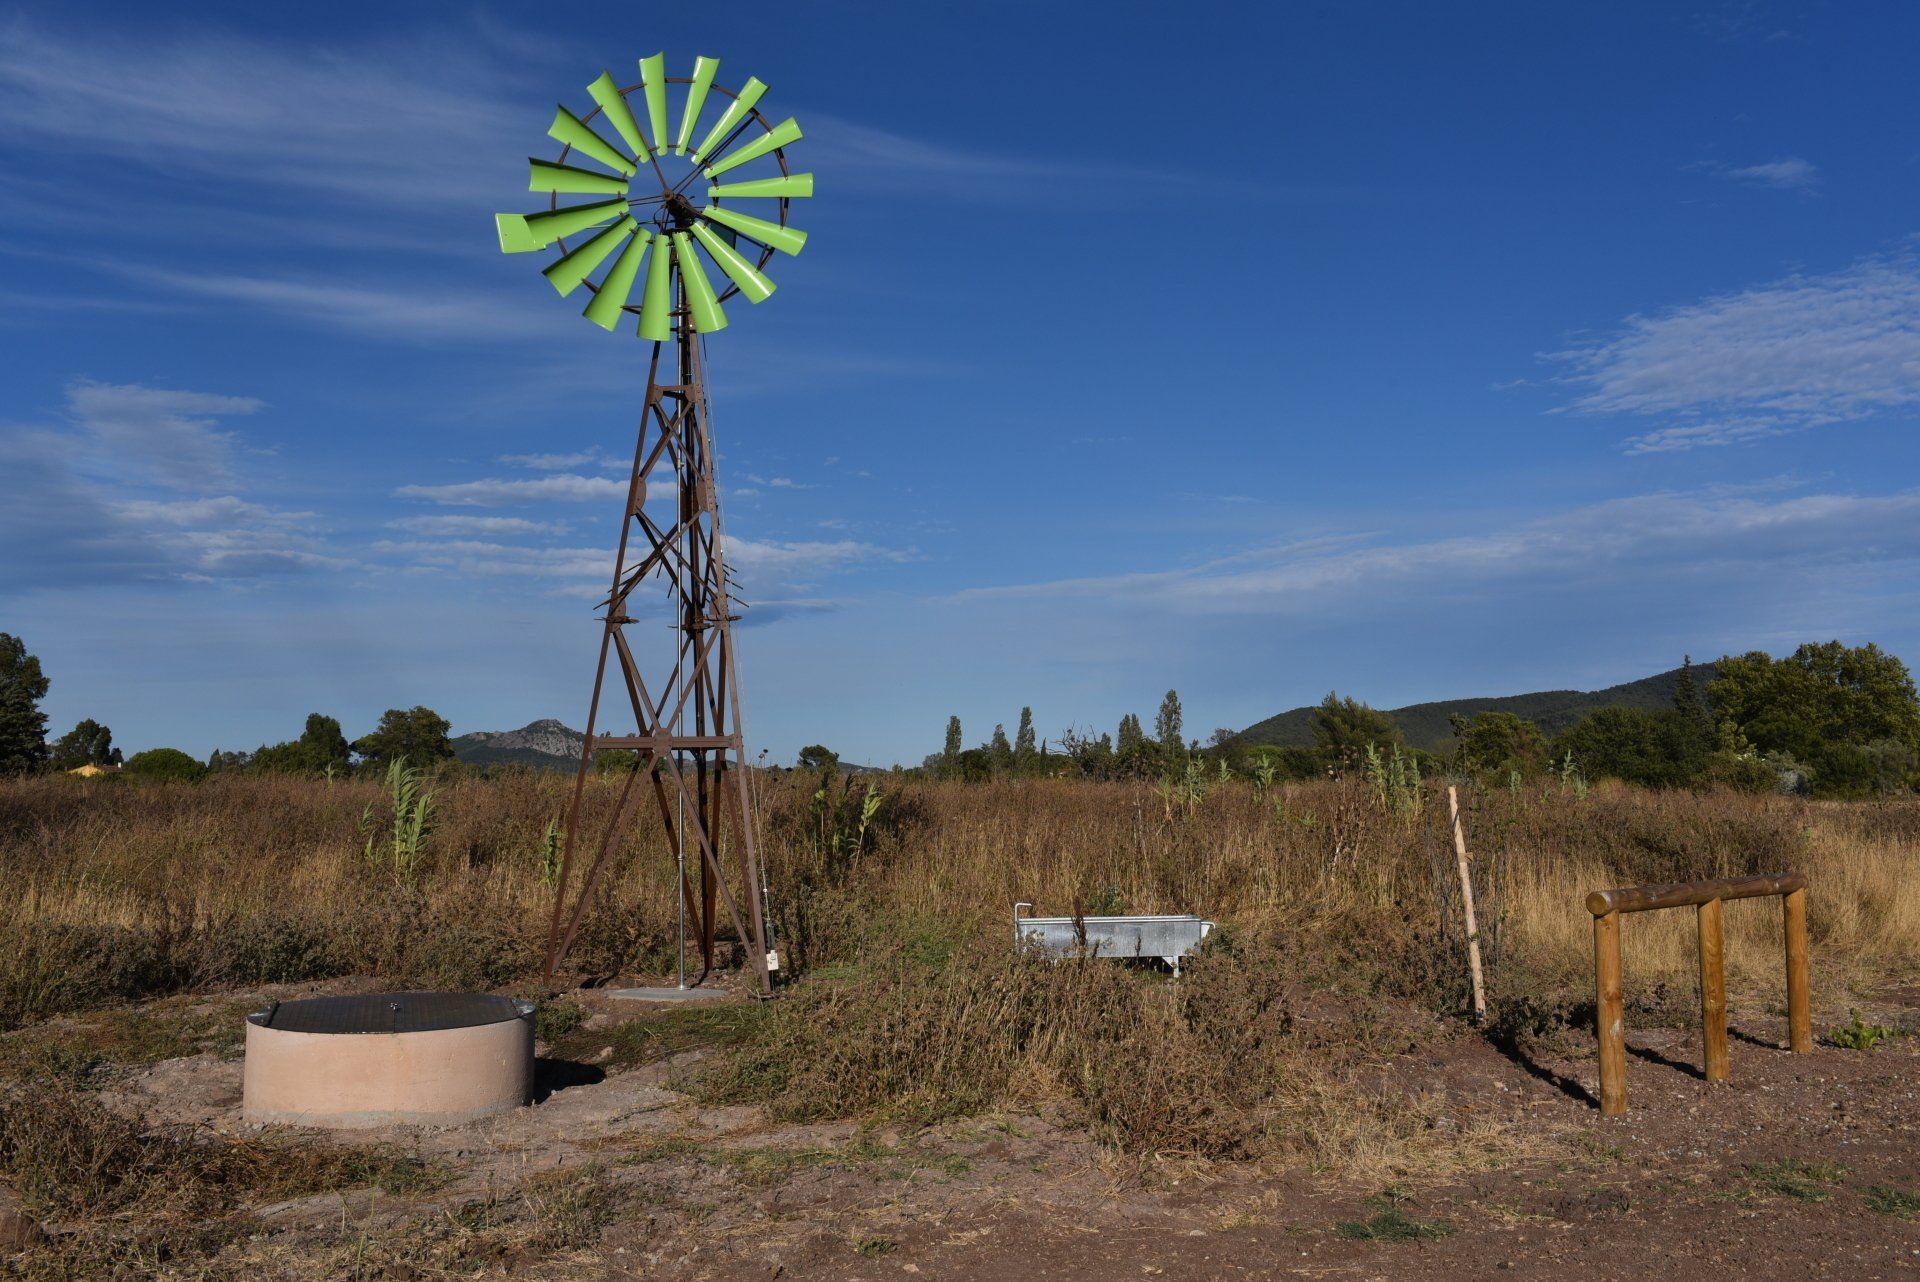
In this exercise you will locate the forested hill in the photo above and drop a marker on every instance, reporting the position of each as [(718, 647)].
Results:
[(1426, 725)]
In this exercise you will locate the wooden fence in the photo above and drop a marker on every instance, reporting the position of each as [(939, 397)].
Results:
[(1706, 896)]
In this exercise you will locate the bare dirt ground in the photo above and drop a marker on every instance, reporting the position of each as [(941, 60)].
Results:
[(1801, 1166)]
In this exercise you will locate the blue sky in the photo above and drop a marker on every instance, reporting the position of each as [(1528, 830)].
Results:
[(1412, 351)]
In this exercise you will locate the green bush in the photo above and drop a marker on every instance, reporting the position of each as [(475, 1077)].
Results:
[(163, 763)]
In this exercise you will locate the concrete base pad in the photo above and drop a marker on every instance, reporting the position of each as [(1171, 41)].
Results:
[(667, 994)]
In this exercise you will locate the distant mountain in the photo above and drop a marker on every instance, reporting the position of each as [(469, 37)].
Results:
[(1426, 725), (546, 744)]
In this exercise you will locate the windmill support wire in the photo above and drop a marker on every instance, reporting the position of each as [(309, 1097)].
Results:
[(689, 744)]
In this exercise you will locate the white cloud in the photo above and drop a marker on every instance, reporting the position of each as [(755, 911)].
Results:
[(567, 487), (550, 462), (1798, 353), (392, 122), (455, 525), (428, 315), (1642, 537), (1789, 173), (1730, 431), (866, 158), (82, 499), (785, 560), (172, 436), (480, 557)]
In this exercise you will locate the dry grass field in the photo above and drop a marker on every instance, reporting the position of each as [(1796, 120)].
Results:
[(1316, 1052)]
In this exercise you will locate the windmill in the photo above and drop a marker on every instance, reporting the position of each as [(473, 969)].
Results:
[(655, 201)]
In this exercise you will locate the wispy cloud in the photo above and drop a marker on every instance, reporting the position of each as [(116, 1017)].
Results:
[(81, 499), (462, 525), (1789, 173), (1798, 353), (567, 487), (870, 159), (754, 557), (1667, 534), (551, 462), (493, 559), (335, 120), (172, 436), (426, 315)]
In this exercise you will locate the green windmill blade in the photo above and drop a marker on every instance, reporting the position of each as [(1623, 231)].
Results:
[(611, 297), (784, 134), (788, 240), (741, 272), (545, 175), (656, 303), (637, 237), (703, 71), (702, 303), (567, 271), (734, 116), (653, 79), (520, 233), (790, 187), (579, 135), (605, 92)]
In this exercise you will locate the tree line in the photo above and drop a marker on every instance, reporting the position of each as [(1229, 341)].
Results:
[(1829, 720), (417, 735)]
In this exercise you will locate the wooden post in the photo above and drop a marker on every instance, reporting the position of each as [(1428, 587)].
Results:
[(1610, 1014), (1713, 992), (1799, 999), (1466, 902)]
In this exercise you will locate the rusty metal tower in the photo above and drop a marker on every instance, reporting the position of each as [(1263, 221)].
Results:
[(689, 746)]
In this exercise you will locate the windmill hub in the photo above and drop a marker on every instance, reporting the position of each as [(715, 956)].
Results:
[(682, 211)]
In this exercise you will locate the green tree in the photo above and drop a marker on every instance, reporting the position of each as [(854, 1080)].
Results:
[(1343, 729), (1639, 745), (1131, 735), (87, 744), (1499, 744), (23, 727), (320, 746), (1826, 706), (1166, 727), (950, 754), (417, 734), (819, 758), (1024, 750), (999, 751), (1823, 693), (163, 763)]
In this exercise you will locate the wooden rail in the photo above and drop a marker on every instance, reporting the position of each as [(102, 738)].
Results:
[(1705, 896)]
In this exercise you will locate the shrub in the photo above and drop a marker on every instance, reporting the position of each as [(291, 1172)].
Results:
[(163, 763)]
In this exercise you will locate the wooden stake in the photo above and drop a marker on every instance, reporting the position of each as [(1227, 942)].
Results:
[(1713, 992), (1610, 1014), (1799, 999), (1466, 901)]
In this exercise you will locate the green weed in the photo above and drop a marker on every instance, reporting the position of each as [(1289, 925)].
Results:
[(1892, 1201), (1858, 1035), (1797, 1178)]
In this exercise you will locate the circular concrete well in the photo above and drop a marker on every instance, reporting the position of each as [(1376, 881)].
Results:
[(429, 1059)]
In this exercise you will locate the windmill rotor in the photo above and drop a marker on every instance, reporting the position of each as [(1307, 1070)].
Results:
[(664, 213)]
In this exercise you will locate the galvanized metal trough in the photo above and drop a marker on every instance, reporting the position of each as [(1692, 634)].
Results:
[(1168, 938)]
